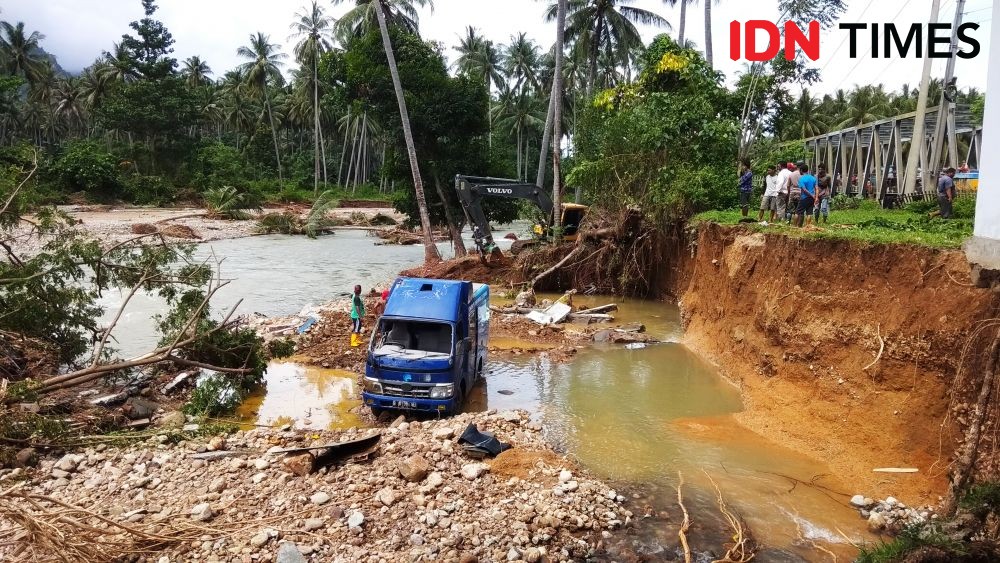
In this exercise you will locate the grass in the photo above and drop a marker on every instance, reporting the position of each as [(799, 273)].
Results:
[(872, 225), (908, 541)]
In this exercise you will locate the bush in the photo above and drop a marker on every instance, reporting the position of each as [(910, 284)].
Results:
[(922, 207), (215, 395), (218, 165), (86, 166), (964, 208), (982, 498), (842, 201), (149, 190), (909, 540), (281, 348)]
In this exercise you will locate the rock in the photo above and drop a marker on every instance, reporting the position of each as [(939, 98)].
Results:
[(443, 433), (26, 457), (289, 553), (68, 462), (313, 524), (136, 408), (891, 501), (320, 498), (173, 419), (59, 473), (570, 486), (258, 478), (525, 298), (532, 555), (416, 539), (876, 521), (180, 231), (435, 480), (301, 465), (513, 554), (386, 496), (217, 485), (468, 558), (261, 464), (413, 468), (511, 416), (143, 229), (260, 538), (472, 471), (202, 512), (858, 501), (217, 443), (356, 519), (565, 475)]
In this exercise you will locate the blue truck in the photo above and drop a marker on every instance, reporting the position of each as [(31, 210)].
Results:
[(428, 347)]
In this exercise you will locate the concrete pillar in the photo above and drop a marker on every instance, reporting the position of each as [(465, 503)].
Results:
[(983, 250)]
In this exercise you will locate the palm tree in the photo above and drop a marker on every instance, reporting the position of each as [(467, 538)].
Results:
[(263, 67), (517, 113), (708, 32), (557, 94), (866, 104), (117, 67), (196, 71), (19, 51), (521, 61), (69, 104), (479, 58), (314, 30), (683, 23), (237, 109), (431, 253), (605, 25), (398, 13), (808, 116)]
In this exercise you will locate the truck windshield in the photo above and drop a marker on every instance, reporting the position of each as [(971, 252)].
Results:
[(420, 339)]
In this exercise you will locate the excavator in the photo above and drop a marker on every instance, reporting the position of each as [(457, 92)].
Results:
[(473, 189)]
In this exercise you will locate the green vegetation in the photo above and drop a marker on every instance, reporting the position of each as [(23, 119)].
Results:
[(909, 540), (867, 224), (280, 348), (982, 499)]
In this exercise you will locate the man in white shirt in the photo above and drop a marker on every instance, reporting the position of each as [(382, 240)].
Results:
[(769, 201), (784, 174)]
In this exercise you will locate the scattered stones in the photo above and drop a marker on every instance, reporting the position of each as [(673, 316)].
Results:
[(858, 501), (313, 524), (300, 465), (435, 480), (217, 443), (261, 464), (356, 519), (414, 468), (217, 485), (443, 433), (68, 462), (386, 496), (289, 553), (565, 475)]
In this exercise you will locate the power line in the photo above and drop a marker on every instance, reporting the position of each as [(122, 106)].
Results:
[(869, 50), (841, 44)]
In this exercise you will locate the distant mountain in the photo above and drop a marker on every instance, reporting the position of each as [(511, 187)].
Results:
[(60, 71)]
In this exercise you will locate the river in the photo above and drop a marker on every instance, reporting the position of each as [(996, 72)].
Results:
[(639, 417)]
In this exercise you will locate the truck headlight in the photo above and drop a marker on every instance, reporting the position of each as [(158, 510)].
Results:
[(442, 391), (373, 386)]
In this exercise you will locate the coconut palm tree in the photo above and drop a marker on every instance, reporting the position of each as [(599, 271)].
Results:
[(808, 116), (682, 24), (521, 61), (398, 13), (69, 104), (431, 253), (517, 113), (866, 104), (557, 95), (315, 32), (479, 58), (262, 69), (117, 67), (708, 32), (602, 25), (237, 108), (19, 51), (195, 72)]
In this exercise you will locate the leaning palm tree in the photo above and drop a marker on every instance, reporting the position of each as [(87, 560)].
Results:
[(195, 71), (431, 253), (362, 18), (597, 26), (263, 68), (314, 30), (19, 51)]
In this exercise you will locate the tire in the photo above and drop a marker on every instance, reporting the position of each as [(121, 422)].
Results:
[(377, 411)]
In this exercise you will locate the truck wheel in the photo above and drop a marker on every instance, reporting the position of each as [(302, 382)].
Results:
[(376, 411)]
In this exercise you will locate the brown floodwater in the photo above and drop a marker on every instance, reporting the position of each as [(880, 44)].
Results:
[(639, 418)]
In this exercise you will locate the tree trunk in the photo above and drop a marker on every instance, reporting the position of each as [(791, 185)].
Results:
[(594, 49), (431, 253), (315, 124), (519, 153), (557, 94), (680, 34), (456, 233), (708, 33), (546, 136), (322, 152), (966, 462), (274, 134), (343, 150)]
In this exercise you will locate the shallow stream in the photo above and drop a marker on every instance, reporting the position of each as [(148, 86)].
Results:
[(634, 416)]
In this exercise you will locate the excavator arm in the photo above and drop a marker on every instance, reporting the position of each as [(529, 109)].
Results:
[(473, 189)]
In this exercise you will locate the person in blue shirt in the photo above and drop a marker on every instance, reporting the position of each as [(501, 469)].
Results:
[(745, 186), (807, 200)]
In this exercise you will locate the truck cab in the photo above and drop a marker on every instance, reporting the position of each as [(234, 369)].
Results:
[(428, 347)]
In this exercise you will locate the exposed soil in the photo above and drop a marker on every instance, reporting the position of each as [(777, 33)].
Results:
[(798, 325)]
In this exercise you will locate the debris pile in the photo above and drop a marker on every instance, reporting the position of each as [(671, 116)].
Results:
[(416, 497), (890, 514)]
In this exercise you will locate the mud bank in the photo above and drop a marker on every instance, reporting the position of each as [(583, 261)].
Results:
[(844, 352)]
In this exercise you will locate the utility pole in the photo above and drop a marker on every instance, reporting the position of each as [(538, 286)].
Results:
[(946, 107), (917, 140)]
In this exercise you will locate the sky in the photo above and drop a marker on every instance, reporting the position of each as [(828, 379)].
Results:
[(77, 31)]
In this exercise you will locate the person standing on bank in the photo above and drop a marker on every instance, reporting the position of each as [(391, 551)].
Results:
[(823, 197), (357, 313), (769, 201), (946, 192), (807, 198), (745, 186)]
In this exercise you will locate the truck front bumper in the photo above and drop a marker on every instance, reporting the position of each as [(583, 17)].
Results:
[(443, 406)]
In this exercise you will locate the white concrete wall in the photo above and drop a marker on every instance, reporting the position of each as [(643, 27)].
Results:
[(988, 197)]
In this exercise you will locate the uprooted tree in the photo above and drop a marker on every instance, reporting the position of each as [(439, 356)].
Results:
[(49, 298)]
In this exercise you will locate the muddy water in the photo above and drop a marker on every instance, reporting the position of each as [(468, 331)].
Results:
[(303, 397), (642, 416)]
